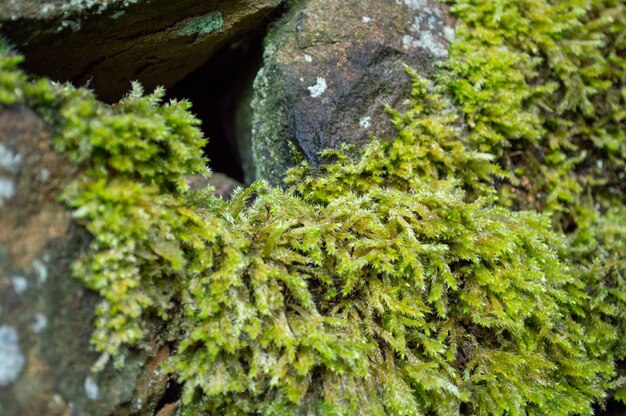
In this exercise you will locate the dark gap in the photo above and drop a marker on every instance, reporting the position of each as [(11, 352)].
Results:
[(173, 393), (611, 408), (216, 91)]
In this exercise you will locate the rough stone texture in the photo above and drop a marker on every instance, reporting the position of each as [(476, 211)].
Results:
[(329, 66), (45, 314), (110, 43)]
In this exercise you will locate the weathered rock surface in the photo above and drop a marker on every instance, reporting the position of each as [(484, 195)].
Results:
[(45, 314), (110, 43), (330, 66)]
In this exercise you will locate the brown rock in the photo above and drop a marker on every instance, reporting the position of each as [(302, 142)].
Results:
[(110, 43), (45, 314), (224, 185)]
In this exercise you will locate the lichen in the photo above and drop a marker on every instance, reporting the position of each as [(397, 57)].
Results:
[(69, 13), (11, 358), (41, 322), (202, 25), (271, 123), (40, 270), (9, 160), (44, 175), (415, 5), (7, 190), (19, 283), (91, 388), (319, 88)]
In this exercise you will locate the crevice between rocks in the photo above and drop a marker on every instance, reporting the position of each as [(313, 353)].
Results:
[(219, 90), (170, 398)]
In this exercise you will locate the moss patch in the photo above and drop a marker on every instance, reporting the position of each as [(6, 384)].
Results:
[(393, 280)]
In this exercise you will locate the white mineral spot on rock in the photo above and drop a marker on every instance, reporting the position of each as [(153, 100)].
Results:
[(7, 190), (9, 160), (41, 322), (11, 359), (415, 4), (20, 284), (366, 19), (46, 9), (91, 388), (416, 25), (407, 41), (44, 175), (308, 58), (448, 32), (427, 41), (319, 88), (365, 122), (41, 270)]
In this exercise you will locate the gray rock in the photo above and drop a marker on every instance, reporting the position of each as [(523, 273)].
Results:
[(329, 67), (110, 43), (45, 314)]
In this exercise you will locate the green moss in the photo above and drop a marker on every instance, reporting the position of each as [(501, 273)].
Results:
[(543, 88), (389, 303), (393, 280), (134, 157), (272, 126), (430, 151)]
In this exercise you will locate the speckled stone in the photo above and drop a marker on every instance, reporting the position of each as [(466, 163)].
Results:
[(47, 315), (329, 68)]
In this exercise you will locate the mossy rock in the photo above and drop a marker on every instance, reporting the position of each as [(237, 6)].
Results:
[(47, 317), (330, 68), (399, 277)]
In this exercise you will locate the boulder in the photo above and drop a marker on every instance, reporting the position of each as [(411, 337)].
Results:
[(45, 314), (329, 67), (107, 44)]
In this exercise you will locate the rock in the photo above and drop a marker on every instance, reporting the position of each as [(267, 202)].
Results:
[(108, 44), (45, 314), (224, 185), (330, 66)]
